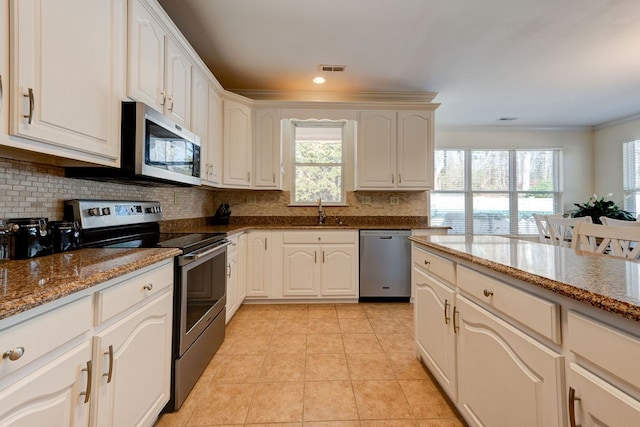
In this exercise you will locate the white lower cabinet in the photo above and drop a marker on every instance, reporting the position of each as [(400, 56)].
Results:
[(320, 264), (116, 373), (594, 402), (494, 372), (505, 377), (259, 264), (236, 274), (133, 362), (54, 395), (435, 339)]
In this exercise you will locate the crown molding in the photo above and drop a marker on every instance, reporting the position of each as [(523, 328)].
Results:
[(332, 96)]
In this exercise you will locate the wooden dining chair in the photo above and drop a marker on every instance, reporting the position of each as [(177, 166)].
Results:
[(561, 229), (544, 235), (618, 222), (609, 240)]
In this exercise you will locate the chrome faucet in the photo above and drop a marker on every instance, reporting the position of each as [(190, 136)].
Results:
[(321, 215)]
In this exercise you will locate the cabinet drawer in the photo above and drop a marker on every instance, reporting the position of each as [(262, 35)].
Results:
[(42, 334), (605, 346), (540, 315), (434, 264), (320, 237), (127, 293)]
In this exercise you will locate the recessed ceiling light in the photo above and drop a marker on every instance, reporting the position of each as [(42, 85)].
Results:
[(507, 119), (318, 80)]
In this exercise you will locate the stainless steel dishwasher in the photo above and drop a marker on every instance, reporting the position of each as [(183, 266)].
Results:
[(385, 265)]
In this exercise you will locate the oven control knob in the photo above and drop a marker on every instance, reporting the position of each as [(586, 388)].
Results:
[(95, 212), (106, 211)]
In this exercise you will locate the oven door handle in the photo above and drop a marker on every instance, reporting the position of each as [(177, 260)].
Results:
[(195, 256)]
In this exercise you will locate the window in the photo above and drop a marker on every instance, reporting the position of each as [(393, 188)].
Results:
[(494, 191), (631, 175), (318, 165)]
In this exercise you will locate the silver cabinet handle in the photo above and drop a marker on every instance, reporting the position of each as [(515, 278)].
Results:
[(323, 257), (164, 98), (109, 374), (427, 262), (487, 293), (446, 312), (455, 325), (87, 392), (265, 244), (315, 257), (572, 407), (248, 176), (399, 179), (171, 107), (392, 179), (148, 287), (2, 95), (274, 174), (229, 270), (13, 354), (31, 105)]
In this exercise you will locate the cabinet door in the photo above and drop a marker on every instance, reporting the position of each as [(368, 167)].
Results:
[(415, 149), (434, 335), (214, 140), (232, 280), (267, 149), (177, 82), (339, 270), (302, 264), (51, 395), (145, 68), (505, 377), (68, 76), (136, 351), (4, 70), (258, 264), (236, 149), (376, 150), (242, 269), (599, 403), (199, 113)]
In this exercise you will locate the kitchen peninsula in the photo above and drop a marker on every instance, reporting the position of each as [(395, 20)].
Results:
[(554, 333)]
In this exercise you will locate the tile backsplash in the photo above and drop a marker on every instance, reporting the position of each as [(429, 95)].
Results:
[(35, 190)]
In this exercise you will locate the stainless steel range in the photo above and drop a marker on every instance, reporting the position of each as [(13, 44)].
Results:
[(200, 277)]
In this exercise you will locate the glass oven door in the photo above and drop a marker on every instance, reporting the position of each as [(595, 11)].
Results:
[(202, 292)]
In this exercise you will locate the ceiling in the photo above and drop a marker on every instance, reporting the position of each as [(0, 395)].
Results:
[(547, 62)]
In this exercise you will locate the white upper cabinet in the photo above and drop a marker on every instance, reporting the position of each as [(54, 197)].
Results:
[(236, 148), (67, 77), (394, 150), (267, 149), (213, 162), (159, 72), (4, 69)]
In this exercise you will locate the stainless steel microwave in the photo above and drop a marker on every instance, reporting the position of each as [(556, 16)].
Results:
[(154, 149)]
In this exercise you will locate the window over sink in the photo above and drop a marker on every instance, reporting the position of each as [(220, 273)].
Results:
[(318, 153), (631, 175)]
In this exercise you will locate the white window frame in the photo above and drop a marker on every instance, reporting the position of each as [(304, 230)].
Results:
[(318, 123), (513, 192), (630, 171)]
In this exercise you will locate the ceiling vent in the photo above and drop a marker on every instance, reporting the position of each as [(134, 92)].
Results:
[(332, 68)]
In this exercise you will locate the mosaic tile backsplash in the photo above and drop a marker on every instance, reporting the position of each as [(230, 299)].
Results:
[(35, 190)]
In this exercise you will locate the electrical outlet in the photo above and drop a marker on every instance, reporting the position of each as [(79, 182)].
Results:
[(251, 200), (394, 200), (366, 200)]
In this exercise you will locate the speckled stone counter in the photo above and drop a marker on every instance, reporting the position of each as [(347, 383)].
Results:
[(26, 284), (246, 223), (603, 282)]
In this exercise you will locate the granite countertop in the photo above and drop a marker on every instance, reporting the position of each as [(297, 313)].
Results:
[(29, 283), (603, 282)]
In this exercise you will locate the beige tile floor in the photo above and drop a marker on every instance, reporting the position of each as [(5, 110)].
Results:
[(341, 365)]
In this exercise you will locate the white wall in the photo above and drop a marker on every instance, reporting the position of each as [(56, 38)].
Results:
[(576, 144), (608, 140)]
